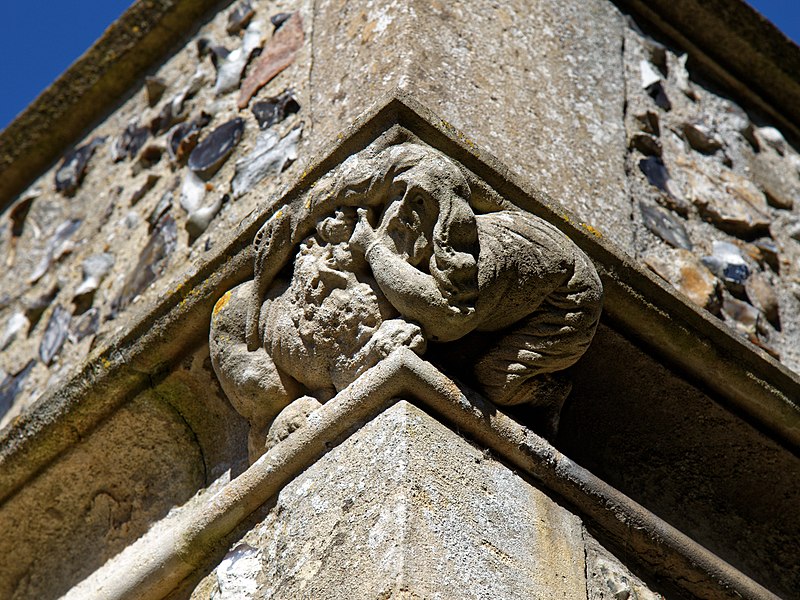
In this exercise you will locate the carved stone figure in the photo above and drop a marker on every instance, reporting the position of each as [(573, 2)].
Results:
[(388, 252)]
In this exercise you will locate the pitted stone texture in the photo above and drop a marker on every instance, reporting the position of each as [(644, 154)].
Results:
[(399, 256), (608, 579), (416, 512), (97, 499), (538, 85)]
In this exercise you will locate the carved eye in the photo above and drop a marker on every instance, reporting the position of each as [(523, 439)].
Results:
[(418, 200)]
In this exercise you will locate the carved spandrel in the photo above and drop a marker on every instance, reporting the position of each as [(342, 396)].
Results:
[(389, 251)]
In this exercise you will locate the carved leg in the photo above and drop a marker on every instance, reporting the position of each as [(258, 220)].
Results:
[(256, 388)]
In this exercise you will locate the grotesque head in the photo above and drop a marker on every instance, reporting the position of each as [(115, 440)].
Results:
[(429, 220)]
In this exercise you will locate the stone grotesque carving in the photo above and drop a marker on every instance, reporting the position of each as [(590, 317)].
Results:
[(388, 251)]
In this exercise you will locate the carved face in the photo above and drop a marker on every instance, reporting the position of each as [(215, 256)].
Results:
[(339, 227), (408, 222)]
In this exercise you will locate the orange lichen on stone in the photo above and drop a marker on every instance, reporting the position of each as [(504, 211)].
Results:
[(593, 230), (222, 302), (279, 53)]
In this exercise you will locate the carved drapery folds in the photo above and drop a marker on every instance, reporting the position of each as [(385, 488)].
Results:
[(389, 250)]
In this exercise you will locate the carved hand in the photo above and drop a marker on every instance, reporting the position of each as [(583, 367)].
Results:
[(363, 233)]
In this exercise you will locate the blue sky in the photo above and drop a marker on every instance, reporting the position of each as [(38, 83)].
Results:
[(39, 39)]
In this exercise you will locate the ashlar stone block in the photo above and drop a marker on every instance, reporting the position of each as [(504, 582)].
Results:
[(406, 508)]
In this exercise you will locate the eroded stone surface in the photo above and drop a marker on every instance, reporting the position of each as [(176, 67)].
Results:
[(415, 511), (103, 494), (607, 578), (397, 256)]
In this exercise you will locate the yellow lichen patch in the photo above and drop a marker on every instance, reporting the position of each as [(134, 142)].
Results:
[(593, 230), (222, 302)]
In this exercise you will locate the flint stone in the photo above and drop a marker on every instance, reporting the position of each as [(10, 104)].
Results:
[(34, 308), (278, 54), (73, 168), (279, 19), (155, 88), (408, 505), (230, 68), (271, 155), (193, 191), (130, 142), (685, 272), (270, 111), (11, 385), (658, 175), (162, 208), (701, 137), (16, 323), (681, 77), (659, 95), (19, 211), (95, 268), (765, 251), (649, 122), (772, 137), (151, 262), (740, 315), (729, 201), (214, 150), (173, 111), (727, 263), (665, 225), (199, 220), (85, 325), (762, 295), (646, 144), (649, 75), (239, 17), (183, 138), (656, 172), (55, 334), (58, 245), (780, 185)]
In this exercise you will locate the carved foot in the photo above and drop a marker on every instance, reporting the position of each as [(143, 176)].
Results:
[(396, 333), (290, 419)]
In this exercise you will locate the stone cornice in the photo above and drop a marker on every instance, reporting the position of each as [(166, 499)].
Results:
[(741, 376)]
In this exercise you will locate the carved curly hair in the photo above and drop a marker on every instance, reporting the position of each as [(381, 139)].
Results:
[(371, 179)]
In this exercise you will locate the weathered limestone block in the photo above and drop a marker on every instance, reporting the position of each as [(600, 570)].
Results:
[(416, 512), (98, 498), (537, 84)]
